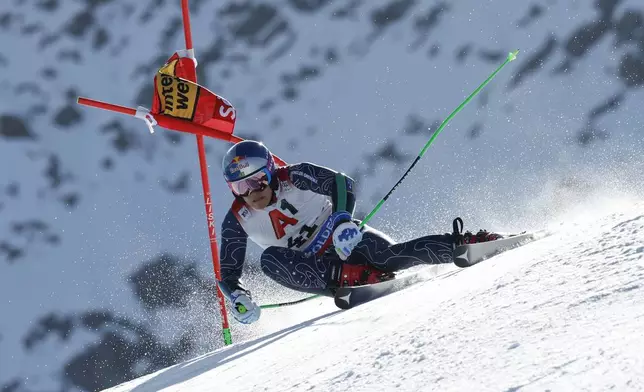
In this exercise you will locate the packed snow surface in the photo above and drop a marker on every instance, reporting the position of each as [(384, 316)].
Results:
[(562, 313)]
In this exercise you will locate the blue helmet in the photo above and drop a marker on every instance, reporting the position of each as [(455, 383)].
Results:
[(248, 166)]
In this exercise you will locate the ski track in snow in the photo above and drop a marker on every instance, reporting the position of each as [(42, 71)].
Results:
[(562, 313)]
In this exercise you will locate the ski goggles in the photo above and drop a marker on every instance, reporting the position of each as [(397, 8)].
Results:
[(255, 182)]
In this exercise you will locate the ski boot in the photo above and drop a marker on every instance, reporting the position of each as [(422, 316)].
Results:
[(359, 275), (468, 237)]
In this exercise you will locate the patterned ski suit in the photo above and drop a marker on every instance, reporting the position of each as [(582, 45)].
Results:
[(295, 231)]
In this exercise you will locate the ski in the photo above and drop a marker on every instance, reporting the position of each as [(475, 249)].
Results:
[(464, 256), (349, 297), (470, 254)]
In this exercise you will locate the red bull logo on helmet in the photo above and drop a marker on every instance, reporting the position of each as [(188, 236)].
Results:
[(237, 165)]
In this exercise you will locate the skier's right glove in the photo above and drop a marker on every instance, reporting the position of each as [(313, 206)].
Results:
[(244, 309)]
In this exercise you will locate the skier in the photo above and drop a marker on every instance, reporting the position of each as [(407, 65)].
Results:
[(302, 215)]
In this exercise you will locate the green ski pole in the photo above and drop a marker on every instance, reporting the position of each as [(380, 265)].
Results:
[(242, 309), (511, 56), (279, 305)]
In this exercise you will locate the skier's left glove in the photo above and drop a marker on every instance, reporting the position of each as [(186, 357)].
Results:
[(345, 237), (244, 309)]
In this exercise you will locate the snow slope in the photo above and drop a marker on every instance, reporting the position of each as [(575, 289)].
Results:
[(562, 313)]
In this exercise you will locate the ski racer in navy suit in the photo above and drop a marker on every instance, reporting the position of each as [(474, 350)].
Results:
[(302, 216)]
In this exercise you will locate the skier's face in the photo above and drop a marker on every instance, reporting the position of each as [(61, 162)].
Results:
[(258, 200)]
